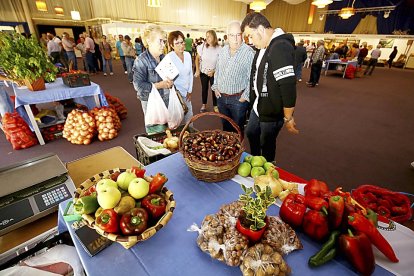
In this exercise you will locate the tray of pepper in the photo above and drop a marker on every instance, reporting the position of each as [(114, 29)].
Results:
[(125, 205), (76, 79), (338, 221)]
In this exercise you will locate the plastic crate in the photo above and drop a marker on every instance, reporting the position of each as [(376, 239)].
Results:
[(158, 137)]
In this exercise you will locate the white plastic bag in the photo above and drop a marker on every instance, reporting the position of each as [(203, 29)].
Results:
[(175, 110), (151, 147), (157, 112)]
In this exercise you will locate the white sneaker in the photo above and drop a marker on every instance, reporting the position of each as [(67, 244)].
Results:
[(126, 72), (299, 80), (412, 164), (111, 73), (104, 74)]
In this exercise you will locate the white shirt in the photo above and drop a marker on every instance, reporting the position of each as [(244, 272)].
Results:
[(184, 81), (89, 45), (208, 57), (276, 33), (52, 47), (376, 53), (58, 41)]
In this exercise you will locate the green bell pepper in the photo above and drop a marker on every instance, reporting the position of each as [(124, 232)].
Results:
[(86, 205)]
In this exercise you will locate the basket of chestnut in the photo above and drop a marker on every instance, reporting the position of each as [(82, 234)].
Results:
[(212, 155)]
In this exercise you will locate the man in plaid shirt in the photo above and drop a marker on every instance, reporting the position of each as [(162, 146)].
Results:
[(316, 67)]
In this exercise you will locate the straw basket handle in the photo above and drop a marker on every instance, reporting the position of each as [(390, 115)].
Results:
[(199, 115)]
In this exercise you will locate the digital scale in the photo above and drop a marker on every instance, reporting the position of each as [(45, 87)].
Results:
[(32, 189)]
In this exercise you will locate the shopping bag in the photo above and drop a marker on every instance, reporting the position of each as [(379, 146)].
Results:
[(175, 110), (157, 112)]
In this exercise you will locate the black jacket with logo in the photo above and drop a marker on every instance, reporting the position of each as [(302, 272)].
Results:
[(276, 79)]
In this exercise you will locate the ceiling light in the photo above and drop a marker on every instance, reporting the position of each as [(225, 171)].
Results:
[(387, 14), (41, 6), (346, 13), (258, 5), (75, 15), (59, 11), (321, 3), (154, 3)]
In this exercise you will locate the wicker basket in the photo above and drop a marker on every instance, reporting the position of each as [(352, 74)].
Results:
[(126, 241), (212, 171)]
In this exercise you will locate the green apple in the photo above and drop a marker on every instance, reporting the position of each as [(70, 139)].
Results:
[(105, 182), (124, 179), (109, 197), (257, 161), (138, 188), (268, 165), (244, 169), (248, 158), (264, 159), (256, 171)]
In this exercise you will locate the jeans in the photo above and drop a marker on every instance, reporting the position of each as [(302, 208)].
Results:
[(315, 72), (91, 62), (72, 57), (129, 63), (371, 65), (262, 136), (123, 62), (189, 115), (204, 88), (298, 71), (233, 108), (109, 63)]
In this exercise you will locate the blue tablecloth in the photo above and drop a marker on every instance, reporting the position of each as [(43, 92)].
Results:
[(174, 251)]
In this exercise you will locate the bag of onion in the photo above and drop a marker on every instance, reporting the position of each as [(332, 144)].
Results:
[(107, 123), (79, 127)]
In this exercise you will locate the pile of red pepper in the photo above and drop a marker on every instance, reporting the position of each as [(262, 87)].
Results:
[(388, 204), (335, 217)]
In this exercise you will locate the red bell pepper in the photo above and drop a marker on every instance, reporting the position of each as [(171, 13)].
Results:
[(316, 203), (134, 222), (315, 225), (115, 175), (154, 204), (362, 224), (316, 188), (138, 171), (157, 183), (293, 209), (90, 191), (358, 251), (336, 211), (108, 221)]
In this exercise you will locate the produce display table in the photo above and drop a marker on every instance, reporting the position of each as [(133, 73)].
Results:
[(335, 62), (174, 251), (90, 96)]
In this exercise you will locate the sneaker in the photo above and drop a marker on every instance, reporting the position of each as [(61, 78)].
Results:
[(126, 72), (203, 109), (111, 73), (412, 165), (105, 74), (299, 80), (308, 83), (216, 109), (130, 82), (317, 84)]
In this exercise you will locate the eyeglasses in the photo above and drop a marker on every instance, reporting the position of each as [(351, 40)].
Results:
[(162, 41), (179, 43), (238, 35)]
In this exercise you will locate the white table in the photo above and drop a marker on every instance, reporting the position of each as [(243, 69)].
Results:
[(340, 62)]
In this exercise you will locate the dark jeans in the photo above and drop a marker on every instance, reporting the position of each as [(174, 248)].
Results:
[(315, 73), (204, 88), (298, 71), (390, 62), (129, 64), (233, 108), (371, 66), (262, 136), (123, 62), (90, 60)]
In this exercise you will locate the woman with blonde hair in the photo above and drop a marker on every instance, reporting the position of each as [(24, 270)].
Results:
[(144, 71), (206, 60)]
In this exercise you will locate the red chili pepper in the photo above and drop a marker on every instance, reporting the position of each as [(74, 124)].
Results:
[(108, 221), (362, 224), (336, 211), (387, 204), (358, 251), (316, 188), (315, 203), (384, 211), (399, 210), (373, 206), (157, 183), (293, 209), (90, 191), (154, 204), (315, 224), (368, 198), (138, 171), (134, 222)]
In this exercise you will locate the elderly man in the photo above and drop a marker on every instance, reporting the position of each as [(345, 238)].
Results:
[(316, 68), (231, 79), (69, 47), (273, 85)]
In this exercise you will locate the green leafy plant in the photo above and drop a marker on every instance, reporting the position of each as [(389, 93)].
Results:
[(255, 207), (23, 58)]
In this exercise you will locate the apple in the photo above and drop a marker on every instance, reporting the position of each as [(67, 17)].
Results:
[(138, 188), (257, 161), (248, 158), (105, 182), (256, 171), (124, 179), (109, 197), (268, 165), (244, 169), (263, 158)]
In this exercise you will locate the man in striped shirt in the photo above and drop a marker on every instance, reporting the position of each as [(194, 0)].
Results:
[(316, 67), (231, 78)]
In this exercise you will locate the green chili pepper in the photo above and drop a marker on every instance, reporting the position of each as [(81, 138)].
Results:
[(86, 205), (372, 217), (327, 253)]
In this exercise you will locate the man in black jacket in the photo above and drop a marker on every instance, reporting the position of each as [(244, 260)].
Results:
[(273, 85), (300, 57)]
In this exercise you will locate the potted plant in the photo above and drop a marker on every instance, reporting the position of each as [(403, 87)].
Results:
[(252, 220), (24, 61)]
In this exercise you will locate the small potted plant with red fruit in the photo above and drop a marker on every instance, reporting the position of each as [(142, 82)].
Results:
[(252, 220)]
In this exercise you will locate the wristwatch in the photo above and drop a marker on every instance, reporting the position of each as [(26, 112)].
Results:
[(287, 120)]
